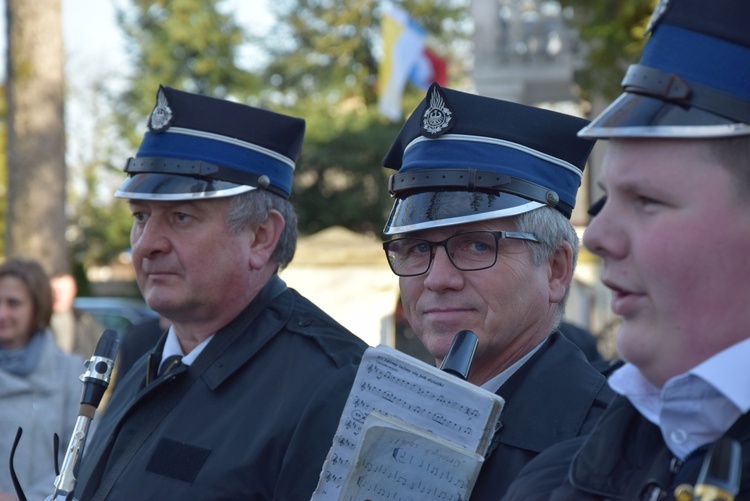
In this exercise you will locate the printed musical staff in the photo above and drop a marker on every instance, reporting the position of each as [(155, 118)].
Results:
[(393, 385)]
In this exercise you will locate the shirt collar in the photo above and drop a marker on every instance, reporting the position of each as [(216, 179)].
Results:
[(726, 372), (172, 347), (496, 382), (721, 383)]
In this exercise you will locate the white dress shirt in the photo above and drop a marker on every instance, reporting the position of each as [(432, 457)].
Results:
[(694, 408)]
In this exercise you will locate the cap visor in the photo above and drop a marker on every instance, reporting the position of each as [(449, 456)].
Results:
[(156, 186), (445, 208), (635, 115)]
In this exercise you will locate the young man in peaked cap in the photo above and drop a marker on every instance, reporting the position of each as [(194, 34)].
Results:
[(481, 240), (673, 232), (250, 410)]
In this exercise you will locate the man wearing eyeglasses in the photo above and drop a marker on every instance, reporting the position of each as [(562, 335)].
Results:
[(481, 240)]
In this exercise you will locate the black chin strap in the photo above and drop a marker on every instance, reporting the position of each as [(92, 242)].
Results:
[(475, 180), (199, 168), (671, 87)]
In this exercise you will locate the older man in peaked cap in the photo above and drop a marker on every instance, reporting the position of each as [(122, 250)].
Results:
[(241, 396), (673, 232), (481, 240)]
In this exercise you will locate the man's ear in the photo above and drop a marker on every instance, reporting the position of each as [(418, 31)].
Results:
[(265, 238), (560, 272)]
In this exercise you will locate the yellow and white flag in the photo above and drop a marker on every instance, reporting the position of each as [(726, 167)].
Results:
[(403, 47)]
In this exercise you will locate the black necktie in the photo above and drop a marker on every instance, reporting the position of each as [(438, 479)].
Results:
[(169, 364)]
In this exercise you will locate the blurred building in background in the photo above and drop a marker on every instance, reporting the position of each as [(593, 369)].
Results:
[(528, 51), (525, 51)]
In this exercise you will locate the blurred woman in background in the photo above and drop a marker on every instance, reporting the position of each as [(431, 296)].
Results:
[(39, 386)]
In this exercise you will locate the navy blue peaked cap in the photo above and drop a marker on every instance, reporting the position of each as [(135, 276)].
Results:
[(692, 79), (202, 147), (462, 157)]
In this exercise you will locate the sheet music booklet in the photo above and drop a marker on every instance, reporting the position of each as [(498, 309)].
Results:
[(408, 431)]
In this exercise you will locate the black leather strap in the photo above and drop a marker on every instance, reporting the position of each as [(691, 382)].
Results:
[(671, 87), (475, 180), (199, 168)]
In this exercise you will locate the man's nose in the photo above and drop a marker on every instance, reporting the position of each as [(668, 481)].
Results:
[(602, 235), (149, 238), (442, 273)]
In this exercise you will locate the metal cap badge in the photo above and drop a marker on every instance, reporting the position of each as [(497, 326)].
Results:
[(436, 119)]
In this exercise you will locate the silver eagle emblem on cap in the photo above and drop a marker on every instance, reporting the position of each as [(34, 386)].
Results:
[(161, 116), (437, 117)]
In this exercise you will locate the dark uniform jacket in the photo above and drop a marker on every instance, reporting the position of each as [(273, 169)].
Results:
[(252, 418), (624, 458), (554, 396)]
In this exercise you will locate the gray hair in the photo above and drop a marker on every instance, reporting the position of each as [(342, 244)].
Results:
[(552, 229), (252, 208)]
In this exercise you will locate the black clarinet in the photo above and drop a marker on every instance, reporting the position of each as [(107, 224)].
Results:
[(460, 355), (95, 382)]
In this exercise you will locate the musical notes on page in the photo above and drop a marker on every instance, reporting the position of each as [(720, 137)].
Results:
[(391, 384), (399, 462)]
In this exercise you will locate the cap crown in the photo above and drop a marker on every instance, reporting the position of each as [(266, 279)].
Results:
[(199, 146), (470, 157)]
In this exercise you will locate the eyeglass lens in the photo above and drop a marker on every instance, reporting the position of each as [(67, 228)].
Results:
[(467, 251)]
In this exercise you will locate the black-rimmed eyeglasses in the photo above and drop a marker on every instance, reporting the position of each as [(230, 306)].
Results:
[(471, 251)]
